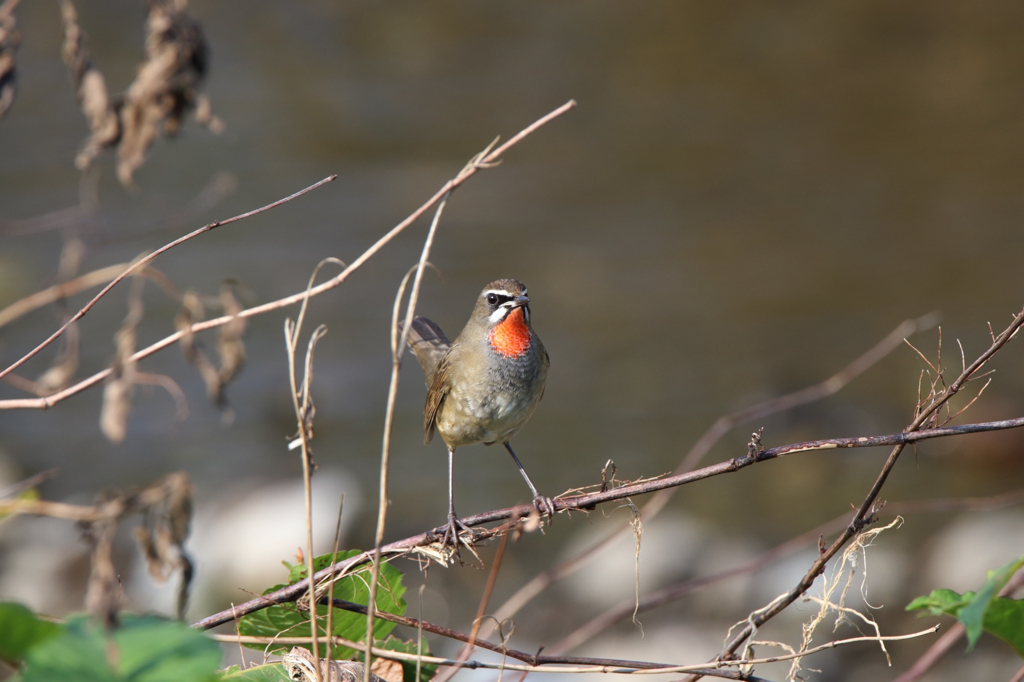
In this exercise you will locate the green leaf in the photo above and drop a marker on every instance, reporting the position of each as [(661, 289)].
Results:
[(1005, 619), (982, 610), (392, 643), (141, 649), (942, 602), (271, 672), (287, 620), (20, 630), (973, 614)]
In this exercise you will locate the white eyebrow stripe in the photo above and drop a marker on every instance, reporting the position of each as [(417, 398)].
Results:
[(500, 292)]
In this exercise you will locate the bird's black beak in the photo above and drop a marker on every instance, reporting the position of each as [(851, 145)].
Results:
[(521, 301)]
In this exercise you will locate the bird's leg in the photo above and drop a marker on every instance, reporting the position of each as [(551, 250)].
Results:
[(545, 505), (451, 532)]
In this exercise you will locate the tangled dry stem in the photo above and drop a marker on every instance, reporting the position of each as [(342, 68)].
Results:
[(701, 448)]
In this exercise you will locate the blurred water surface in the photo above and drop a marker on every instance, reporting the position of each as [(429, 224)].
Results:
[(747, 197)]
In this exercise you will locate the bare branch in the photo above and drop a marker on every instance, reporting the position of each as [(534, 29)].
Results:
[(135, 266), (28, 483), (589, 501), (864, 514), (674, 592), (49, 401), (603, 665)]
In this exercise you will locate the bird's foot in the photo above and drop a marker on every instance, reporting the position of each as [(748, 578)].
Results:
[(545, 506), (452, 530)]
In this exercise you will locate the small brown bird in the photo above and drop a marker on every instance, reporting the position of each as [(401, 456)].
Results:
[(483, 387)]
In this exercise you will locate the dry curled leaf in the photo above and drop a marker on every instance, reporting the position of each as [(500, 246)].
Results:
[(390, 671), (166, 518), (102, 594), (165, 88), (192, 311), (9, 41), (166, 510), (120, 386), (59, 374), (299, 664), (230, 347), (90, 88)]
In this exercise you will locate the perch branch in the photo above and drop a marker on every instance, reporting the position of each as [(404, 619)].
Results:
[(589, 501)]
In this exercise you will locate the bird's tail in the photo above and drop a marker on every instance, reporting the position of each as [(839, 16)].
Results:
[(429, 344)]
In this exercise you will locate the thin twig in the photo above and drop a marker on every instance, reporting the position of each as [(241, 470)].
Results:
[(77, 285), (171, 386), (28, 483), (583, 665), (300, 404), (608, 665), (419, 635), (489, 160), (467, 650), (330, 590), (238, 638), (389, 416)]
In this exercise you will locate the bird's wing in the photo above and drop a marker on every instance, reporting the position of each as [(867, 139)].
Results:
[(429, 344), (436, 394)]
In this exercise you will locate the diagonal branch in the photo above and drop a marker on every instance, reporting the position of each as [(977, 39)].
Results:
[(676, 591), (142, 261), (864, 514), (489, 160)]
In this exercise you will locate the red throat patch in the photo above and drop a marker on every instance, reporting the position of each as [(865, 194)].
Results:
[(511, 336)]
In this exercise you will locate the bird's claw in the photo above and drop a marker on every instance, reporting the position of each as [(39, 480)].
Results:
[(545, 506), (452, 530)]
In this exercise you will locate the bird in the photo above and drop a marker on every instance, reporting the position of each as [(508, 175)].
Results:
[(483, 386)]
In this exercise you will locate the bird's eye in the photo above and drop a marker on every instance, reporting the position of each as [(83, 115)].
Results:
[(492, 299)]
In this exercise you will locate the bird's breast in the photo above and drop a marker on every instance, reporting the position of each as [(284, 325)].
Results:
[(491, 403)]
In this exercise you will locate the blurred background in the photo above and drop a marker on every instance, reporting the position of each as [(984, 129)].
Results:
[(747, 198)]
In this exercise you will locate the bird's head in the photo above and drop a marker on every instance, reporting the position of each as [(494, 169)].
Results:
[(503, 310)]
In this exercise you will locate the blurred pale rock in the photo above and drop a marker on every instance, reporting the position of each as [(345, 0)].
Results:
[(670, 545), (240, 539), (961, 554)]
